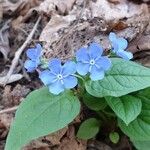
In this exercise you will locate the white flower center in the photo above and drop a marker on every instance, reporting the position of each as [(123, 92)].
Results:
[(59, 77), (92, 62)]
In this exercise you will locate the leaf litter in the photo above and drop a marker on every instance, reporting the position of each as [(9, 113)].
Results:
[(64, 27)]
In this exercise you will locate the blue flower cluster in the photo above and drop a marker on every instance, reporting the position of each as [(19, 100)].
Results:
[(89, 62), (59, 77), (119, 45), (34, 55)]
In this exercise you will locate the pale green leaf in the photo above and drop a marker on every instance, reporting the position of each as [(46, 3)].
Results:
[(88, 129), (114, 137)]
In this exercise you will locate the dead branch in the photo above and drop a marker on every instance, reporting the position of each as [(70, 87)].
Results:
[(8, 110), (19, 51)]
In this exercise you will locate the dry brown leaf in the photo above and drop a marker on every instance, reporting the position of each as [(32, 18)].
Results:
[(13, 96), (45, 142), (9, 7), (140, 44), (56, 137), (70, 142), (57, 22), (114, 1), (21, 6), (109, 11), (98, 145), (5, 122), (119, 26), (23, 9), (36, 144), (1, 12), (4, 40), (52, 6)]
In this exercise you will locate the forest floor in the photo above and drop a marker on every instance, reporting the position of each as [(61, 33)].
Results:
[(62, 27)]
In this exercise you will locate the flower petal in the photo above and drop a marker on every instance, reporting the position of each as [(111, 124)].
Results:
[(104, 63), (31, 54), (69, 68), (112, 36), (55, 65), (38, 49), (82, 55), (34, 53), (56, 88), (96, 74), (122, 43), (70, 82), (115, 46), (95, 50), (83, 68), (117, 43), (47, 77), (125, 55), (30, 65)]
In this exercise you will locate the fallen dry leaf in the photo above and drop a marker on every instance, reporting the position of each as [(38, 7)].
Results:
[(140, 44), (98, 145), (57, 22), (70, 142), (56, 137), (13, 96), (36, 144), (57, 6), (5, 121), (4, 40), (109, 11), (9, 7), (114, 1), (119, 26), (1, 12)]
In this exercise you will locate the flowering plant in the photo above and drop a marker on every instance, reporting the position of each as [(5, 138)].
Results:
[(116, 88)]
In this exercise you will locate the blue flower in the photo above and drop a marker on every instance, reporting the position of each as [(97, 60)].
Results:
[(91, 60), (34, 55), (59, 77), (119, 45)]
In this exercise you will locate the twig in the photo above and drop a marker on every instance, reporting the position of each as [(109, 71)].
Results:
[(12, 78), (19, 51), (8, 110)]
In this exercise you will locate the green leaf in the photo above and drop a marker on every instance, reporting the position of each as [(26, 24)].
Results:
[(126, 107), (114, 137), (142, 145), (139, 129), (124, 77), (88, 129), (145, 93), (41, 113), (94, 103)]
